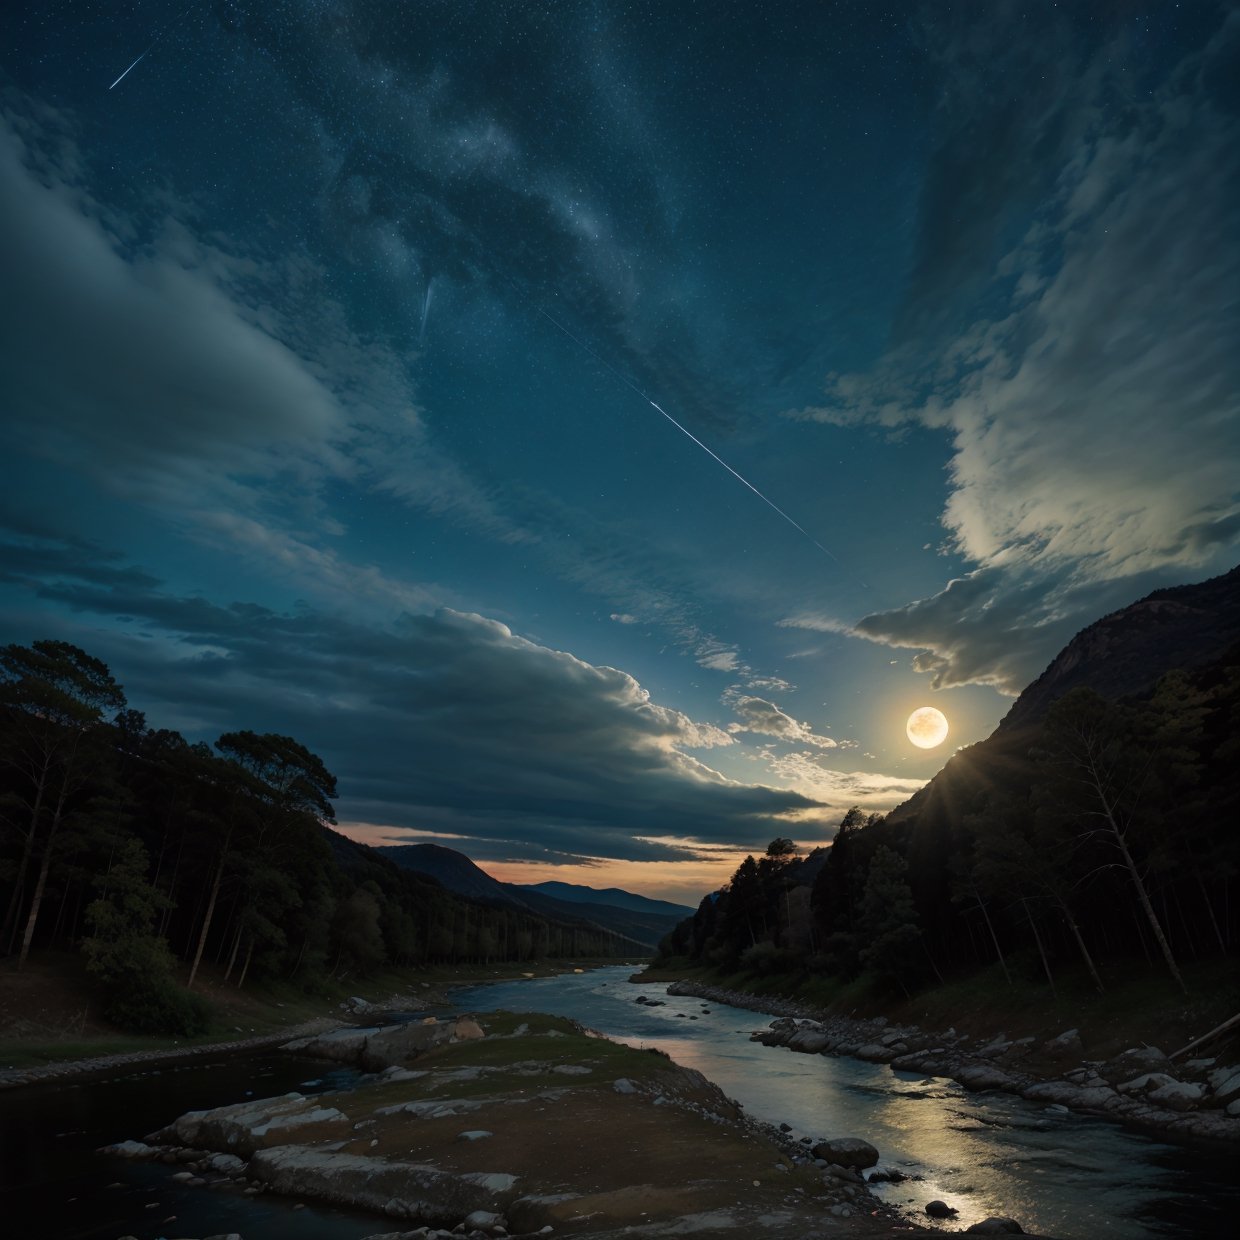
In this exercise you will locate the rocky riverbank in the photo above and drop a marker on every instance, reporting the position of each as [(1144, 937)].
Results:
[(1195, 1100), (108, 1065), (524, 1126)]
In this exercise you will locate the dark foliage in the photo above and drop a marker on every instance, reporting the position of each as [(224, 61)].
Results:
[(154, 855), (1103, 835)]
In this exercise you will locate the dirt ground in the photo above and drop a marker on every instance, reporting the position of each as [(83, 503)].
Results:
[(665, 1154)]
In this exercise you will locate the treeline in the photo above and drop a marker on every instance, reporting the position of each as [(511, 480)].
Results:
[(1104, 835), (154, 856)]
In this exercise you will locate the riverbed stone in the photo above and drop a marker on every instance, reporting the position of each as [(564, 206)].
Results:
[(243, 1127), (1067, 1043), (1177, 1095), (996, 1225), (850, 1152), (1225, 1082), (401, 1189)]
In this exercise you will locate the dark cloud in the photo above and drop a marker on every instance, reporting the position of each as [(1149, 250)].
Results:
[(446, 722)]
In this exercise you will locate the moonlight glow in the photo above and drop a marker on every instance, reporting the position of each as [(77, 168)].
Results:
[(926, 727)]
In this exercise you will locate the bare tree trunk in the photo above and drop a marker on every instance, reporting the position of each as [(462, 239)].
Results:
[(206, 924), (12, 914), (41, 885), (1037, 938), (994, 938), (232, 959), (1080, 942), (1108, 811), (245, 968)]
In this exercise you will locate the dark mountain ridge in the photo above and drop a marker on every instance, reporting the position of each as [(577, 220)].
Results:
[(641, 921), (1125, 652)]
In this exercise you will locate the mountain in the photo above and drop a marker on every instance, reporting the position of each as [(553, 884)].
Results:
[(1126, 652), (613, 896), (644, 928), (453, 869), (1122, 655), (641, 921)]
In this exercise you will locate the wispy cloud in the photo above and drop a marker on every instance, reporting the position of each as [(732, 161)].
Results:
[(1095, 411)]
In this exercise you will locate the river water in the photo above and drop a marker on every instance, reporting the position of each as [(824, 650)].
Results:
[(1061, 1175), (1058, 1174)]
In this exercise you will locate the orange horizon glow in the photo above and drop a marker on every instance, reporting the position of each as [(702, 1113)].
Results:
[(681, 882)]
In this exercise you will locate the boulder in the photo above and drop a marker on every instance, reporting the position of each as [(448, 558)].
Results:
[(622, 1085), (1225, 1082), (940, 1209), (983, 1076), (1176, 1095), (1066, 1044), (995, 1226), (400, 1189), (396, 1045), (1146, 1082), (243, 1127), (846, 1152)]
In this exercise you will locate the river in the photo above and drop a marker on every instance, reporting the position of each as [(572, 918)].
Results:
[(1061, 1175)]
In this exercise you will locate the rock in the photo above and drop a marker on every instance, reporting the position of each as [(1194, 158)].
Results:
[(1067, 1043), (995, 1226), (940, 1209), (1176, 1095), (1146, 1082), (846, 1152), (474, 1134), (572, 1069), (245, 1126), (130, 1149), (1225, 1082), (401, 1189), (484, 1218), (624, 1086), (467, 1030), (983, 1076)]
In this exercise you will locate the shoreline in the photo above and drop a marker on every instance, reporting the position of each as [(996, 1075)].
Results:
[(1127, 1089), (496, 1129)]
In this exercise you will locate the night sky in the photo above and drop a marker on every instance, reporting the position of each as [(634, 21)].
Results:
[(332, 336)]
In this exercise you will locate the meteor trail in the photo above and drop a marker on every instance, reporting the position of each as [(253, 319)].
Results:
[(159, 34), (686, 432), (123, 75), (426, 308)]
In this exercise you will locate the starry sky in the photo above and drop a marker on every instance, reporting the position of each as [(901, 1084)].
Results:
[(340, 343)]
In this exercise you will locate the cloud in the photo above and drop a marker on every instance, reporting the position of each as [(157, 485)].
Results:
[(463, 182), (445, 722), (623, 618), (201, 371), (1094, 411), (837, 790), (766, 719)]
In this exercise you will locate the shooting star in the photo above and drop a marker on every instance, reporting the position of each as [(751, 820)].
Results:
[(426, 309), (159, 34), (122, 77), (687, 433)]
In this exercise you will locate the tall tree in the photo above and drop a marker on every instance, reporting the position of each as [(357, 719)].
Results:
[(55, 697), (1096, 770)]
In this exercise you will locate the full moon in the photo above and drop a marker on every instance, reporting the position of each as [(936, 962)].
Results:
[(926, 727)]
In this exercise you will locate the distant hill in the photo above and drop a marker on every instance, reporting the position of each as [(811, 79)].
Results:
[(615, 896), (641, 921), (453, 869)]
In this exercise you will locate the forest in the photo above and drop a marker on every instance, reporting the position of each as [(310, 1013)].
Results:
[(1099, 835), (156, 858)]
